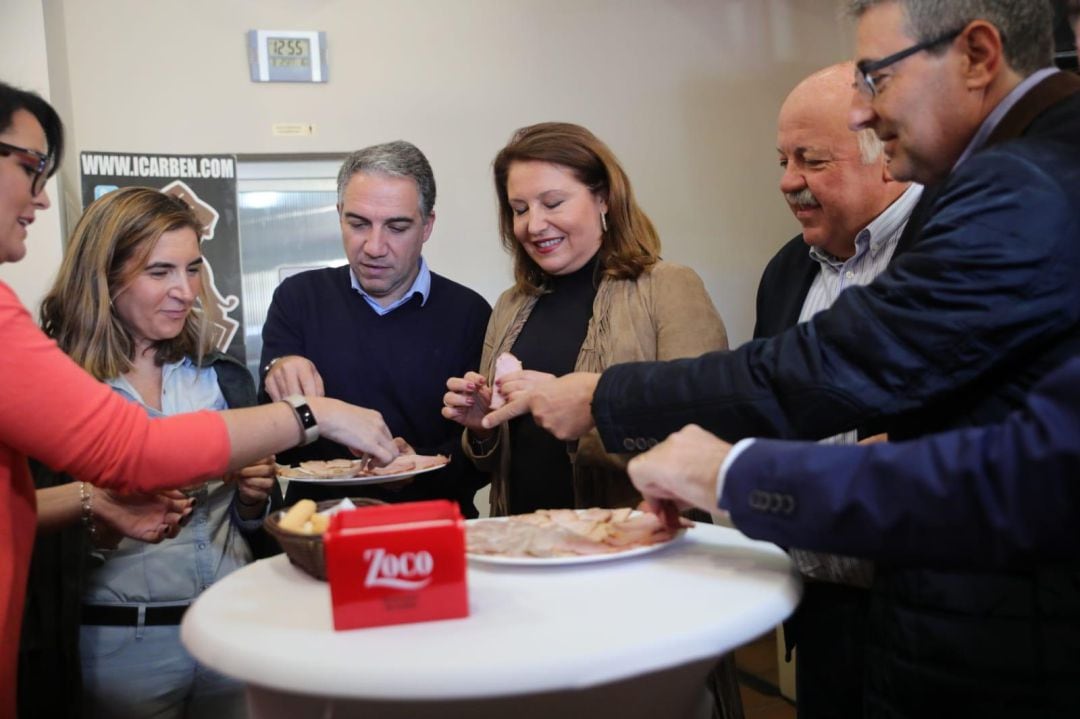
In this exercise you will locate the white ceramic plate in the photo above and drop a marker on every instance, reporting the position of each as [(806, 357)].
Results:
[(568, 560), (366, 479)]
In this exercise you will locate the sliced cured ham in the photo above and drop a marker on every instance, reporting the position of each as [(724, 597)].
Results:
[(505, 364), (321, 469), (550, 533), (346, 468), (410, 463)]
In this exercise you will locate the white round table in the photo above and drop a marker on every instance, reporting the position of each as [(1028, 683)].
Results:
[(625, 638)]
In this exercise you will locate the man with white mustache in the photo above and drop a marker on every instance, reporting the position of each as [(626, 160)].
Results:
[(853, 216), (837, 185)]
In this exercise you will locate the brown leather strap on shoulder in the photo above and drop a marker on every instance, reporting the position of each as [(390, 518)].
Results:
[(1043, 96)]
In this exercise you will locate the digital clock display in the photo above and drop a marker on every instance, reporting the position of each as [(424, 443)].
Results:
[(288, 51), (287, 55)]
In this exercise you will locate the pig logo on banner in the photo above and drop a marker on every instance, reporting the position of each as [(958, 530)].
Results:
[(224, 327)]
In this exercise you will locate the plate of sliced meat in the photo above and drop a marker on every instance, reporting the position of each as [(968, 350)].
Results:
[(566, 536), (353, 471)]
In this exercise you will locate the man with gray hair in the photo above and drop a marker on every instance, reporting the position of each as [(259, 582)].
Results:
[(382, 329), (954, 333), (837, 185), (853, 215)]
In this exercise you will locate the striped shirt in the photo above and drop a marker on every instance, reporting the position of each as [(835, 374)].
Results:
[(874, 247)]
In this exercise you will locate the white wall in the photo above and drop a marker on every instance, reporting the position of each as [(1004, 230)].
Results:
[(24, 63), (684, 91)]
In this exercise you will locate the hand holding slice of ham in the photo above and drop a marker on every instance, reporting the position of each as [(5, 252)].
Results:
[(505, 364)]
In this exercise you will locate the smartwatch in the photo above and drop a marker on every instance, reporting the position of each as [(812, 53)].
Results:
[(309, 426)]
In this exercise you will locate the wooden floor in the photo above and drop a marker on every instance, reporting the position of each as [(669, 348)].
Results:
[(759, 680)]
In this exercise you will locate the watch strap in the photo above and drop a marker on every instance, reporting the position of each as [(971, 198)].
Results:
[(309, 426)]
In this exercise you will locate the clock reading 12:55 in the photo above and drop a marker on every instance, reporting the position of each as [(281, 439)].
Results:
[(288, 51), (287, 55)]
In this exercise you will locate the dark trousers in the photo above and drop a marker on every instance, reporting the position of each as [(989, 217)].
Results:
[(829, 631)]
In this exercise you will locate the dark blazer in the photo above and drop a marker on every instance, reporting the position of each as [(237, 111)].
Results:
[(955, 333), (959, 327), (831, 680), (783, 288), (1013, 487)]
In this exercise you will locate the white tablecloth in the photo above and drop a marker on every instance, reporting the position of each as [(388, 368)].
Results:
[(530, 631)]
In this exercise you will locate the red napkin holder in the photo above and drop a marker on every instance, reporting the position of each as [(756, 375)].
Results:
[(397, 563)]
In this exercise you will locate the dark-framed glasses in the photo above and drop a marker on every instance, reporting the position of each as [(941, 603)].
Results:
[(34, 161), (864, 69)]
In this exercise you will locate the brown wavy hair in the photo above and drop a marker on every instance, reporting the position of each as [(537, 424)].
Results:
[(108, 249), (630, 245)]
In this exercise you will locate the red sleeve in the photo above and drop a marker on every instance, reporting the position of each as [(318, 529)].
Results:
[(52, 410)]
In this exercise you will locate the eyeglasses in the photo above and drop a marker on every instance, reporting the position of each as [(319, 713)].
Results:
[(38, 164), (866, 84)]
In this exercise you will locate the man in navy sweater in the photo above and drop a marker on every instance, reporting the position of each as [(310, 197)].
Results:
[(382, 331)]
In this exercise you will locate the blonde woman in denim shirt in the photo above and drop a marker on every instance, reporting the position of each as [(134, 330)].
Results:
[(151, 344)]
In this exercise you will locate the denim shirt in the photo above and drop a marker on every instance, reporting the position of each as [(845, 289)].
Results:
[(210, 544)]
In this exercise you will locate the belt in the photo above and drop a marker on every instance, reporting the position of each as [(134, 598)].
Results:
[(112, 616)]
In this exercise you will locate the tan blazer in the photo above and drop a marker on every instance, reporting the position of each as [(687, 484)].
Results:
[(665, 313)]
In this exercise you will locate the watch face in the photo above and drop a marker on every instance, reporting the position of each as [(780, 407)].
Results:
[(308, 424), (307, 417)]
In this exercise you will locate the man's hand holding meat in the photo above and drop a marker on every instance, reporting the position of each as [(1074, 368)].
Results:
[(684, 468), (293, 374)]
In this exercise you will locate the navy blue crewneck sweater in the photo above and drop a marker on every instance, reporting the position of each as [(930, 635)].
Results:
[(397, 364)]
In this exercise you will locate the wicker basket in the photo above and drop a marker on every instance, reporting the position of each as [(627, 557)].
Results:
[(306, 550)]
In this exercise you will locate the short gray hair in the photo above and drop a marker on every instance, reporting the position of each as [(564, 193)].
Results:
[(394, 159), (1026, 26), (870, 145)]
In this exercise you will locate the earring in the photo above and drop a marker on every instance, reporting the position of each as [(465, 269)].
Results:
[(603, 221)]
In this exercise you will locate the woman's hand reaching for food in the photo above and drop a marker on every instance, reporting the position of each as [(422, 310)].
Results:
[(145, 517), (467, 401), (361, 430), (253, 486)]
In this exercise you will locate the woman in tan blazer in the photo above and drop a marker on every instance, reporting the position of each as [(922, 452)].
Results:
[(590, 291)]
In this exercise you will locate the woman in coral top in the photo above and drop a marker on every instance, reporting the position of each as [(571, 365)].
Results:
[(51, 410)]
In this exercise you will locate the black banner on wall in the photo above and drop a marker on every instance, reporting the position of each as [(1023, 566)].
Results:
[(208, 184)]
